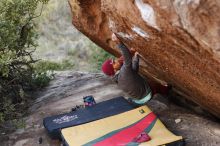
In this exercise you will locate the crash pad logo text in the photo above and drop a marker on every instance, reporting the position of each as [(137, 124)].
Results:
[(65, 119)]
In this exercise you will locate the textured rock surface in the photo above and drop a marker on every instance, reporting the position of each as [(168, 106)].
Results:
[(177, 39), (67, 90)]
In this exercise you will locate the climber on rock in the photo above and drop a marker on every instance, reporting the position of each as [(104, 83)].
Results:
[(124, 71)]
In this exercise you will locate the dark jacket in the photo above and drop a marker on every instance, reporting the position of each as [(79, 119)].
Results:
[(128, 78)]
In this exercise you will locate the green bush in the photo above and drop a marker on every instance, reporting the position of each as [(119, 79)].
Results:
[(44, 71), (17, 43), (101, 56), (7, 108), (42, 79), (44, 66), (98, 57)]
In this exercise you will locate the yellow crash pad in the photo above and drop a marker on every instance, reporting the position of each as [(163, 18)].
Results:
[(121, 129)]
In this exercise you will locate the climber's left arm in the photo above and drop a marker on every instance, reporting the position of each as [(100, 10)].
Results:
[(135, 62)]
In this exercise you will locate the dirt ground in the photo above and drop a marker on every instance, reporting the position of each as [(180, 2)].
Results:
[(68, 89)]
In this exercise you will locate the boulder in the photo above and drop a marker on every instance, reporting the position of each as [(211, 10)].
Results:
[(178, 40)]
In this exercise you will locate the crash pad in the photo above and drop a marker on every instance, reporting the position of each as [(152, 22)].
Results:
[(121, 129), (54, 124)]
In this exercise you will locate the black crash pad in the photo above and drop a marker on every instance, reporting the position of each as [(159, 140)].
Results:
[(101, 110)]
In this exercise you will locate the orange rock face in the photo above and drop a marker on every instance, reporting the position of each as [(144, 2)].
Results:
[(179, 40)]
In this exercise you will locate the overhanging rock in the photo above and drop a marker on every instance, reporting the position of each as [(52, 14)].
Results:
[(178, 40)]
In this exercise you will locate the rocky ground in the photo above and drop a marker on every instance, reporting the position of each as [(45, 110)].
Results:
[(59, 41), (67, 90)]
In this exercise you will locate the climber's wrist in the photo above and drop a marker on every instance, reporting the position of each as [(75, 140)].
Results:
[(115, 39)]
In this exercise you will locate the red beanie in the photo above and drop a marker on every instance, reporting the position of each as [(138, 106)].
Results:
[(107, 67)]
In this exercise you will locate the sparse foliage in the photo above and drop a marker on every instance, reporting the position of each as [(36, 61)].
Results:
[(17, 43), (98, 57)]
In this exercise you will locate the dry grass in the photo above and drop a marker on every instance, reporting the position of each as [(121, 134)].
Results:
[(60, 42)]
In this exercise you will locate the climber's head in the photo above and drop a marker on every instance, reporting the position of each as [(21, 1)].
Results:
[(107, 67), (110, 66)]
